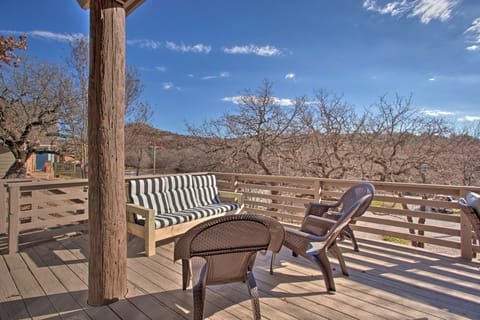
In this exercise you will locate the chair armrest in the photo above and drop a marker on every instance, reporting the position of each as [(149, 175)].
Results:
[(231, 196), (317, 225), (299, 241), (319, 209)]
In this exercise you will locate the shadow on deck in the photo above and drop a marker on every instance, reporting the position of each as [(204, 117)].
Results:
[(387, 281)]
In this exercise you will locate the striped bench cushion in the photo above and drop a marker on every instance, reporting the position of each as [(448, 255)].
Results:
[(180, 191), (169, 219), (150, 193), (206, 190)]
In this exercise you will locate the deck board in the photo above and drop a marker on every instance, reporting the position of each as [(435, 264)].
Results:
[(387, 281)]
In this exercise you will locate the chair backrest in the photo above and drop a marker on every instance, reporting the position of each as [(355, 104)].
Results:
[(470, 208), (346, 217), (230, 243), (354, 193)]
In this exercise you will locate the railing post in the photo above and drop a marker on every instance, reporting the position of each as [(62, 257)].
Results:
[(317, 190), (235, 183), (13, 218), (466, 249), (3, 207)]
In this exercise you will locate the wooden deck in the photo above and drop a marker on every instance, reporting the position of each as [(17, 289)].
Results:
[(387, 281)]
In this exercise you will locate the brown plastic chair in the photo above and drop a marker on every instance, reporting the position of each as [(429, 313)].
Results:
[(223, 250), (318, 235), (471, 212), (333, 211)]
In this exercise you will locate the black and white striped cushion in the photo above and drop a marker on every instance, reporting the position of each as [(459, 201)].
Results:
[(150, 193), (206, 189), (168, 219), (180, 193)]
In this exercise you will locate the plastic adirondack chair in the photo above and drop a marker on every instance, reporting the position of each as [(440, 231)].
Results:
[(319, 234), (334, 211)]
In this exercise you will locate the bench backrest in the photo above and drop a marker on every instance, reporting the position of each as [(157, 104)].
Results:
[(168, 194)]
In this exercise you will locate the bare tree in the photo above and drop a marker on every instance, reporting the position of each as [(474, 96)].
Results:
[(73, 129), (258, 132), (328, 151), (137, 140), (400, 143), (7, 49), (31, 97)]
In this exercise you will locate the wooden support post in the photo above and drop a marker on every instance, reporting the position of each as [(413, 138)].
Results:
[(107, 278), (13, 218)]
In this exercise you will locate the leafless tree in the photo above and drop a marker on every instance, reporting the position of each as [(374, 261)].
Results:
[(328, 151), (73, 118), (7, 49), (255, 134), (30, 100), (400, 143)]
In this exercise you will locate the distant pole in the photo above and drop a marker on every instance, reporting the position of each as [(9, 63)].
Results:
[(107, 272), (154, 158)]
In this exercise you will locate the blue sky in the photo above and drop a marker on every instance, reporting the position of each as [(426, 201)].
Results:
[(195, 57)]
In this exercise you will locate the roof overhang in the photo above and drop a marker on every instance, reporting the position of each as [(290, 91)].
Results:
[(129, 5)]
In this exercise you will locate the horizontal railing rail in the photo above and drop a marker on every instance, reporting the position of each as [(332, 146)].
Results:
[(419, 213)]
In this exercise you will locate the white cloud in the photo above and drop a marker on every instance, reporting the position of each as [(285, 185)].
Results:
[(284, 102), (438, 113), (290, 76), (161, 68), (473, 32), (170, 86), (472, 118), (426, 10), (469, 118), (473, 48), (265, 51), (144, 43), (197, 48), (432, 79), (220, 75), (48, 35)]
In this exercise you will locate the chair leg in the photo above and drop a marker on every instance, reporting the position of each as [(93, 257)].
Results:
[(335, 250), (199, 281), (322, 261), (272, 262), (185, 274), (348, 232), (254, 297)]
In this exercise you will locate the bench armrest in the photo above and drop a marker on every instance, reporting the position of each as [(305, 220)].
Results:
[(231, 196), (133, 209)]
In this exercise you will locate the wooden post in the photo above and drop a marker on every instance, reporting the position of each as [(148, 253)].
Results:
[(13, 218), (3, 207), (107, 278)]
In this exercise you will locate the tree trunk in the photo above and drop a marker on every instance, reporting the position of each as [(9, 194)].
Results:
[(107, 279)]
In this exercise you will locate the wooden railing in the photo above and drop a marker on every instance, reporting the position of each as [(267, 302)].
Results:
[(41, 205), (419, 213), (400, 210)]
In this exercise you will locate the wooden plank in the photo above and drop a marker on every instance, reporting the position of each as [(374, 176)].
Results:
[(72, 283), (53, 222), (408, 225), (58, 295), (407, 236), (37, 302), (11, 302)]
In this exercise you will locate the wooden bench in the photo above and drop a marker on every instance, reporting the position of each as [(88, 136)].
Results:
[(164, 207)]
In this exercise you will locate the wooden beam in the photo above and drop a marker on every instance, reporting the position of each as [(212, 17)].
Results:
[(129, 5), (107, 278)]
